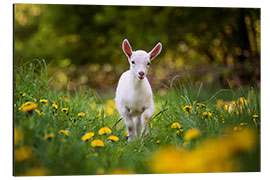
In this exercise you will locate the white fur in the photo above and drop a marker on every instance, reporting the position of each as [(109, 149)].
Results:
[(134, 99)]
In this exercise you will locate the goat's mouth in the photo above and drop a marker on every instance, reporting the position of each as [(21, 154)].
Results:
[(140, 77)]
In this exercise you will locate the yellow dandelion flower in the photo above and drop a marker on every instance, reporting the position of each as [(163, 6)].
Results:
[(104, 130), (17, 135), (228, 107), (185, 144), (166, 160), (219, 152), (255, 118), (65, 110), (243, 100), (235, 128), (179, 131), (157, 141), (39, 113), (43, 100), (243, 140), (23, 153), (49, 136), (22, 94), (24, 105), (66, 99), (28, 103), (192, 134), (223, 120), (34, 99), (66, 132), (113, 138), (81, 114), (60, 98), (100, 171), (240, 107), (28, 106), (97, 143), (220, 103), (111, 103), (109, 110), (187, 109), (243, 124), (121, 171), (200, 105), (206, 114), (37, 171), (175, 125), (88, 136), (55, 106), (15, 105)]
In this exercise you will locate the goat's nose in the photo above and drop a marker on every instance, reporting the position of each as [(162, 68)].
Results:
[(141, 73)]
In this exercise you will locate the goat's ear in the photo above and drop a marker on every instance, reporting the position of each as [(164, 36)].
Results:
[(127, 48), (155, 51)]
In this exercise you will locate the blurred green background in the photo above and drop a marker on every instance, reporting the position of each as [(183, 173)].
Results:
[(82, 43)]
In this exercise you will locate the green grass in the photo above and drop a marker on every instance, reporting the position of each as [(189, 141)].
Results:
[(69, 155)]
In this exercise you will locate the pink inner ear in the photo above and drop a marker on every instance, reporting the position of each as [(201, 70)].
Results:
[(127, 49), (155, 52)]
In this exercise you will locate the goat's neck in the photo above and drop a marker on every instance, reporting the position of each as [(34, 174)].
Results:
[(136, 83)]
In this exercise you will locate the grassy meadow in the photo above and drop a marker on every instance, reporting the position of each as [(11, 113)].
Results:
[(57, 132)]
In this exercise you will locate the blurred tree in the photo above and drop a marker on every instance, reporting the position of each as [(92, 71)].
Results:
[(212, 43)]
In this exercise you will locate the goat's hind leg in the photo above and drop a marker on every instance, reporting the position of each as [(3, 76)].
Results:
[(145, 120)]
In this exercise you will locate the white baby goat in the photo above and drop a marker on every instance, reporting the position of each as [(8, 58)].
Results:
[(134, 98)]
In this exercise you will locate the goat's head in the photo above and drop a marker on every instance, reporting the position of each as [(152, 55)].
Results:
[(140, 60)]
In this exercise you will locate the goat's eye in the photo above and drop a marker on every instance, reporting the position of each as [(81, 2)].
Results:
[(148, 64), (133, 62)]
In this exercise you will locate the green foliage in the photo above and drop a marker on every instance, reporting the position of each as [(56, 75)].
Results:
[(69, 155), (214, 44)]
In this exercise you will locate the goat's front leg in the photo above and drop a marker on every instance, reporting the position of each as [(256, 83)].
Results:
[(137, 122), (129, 125)]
